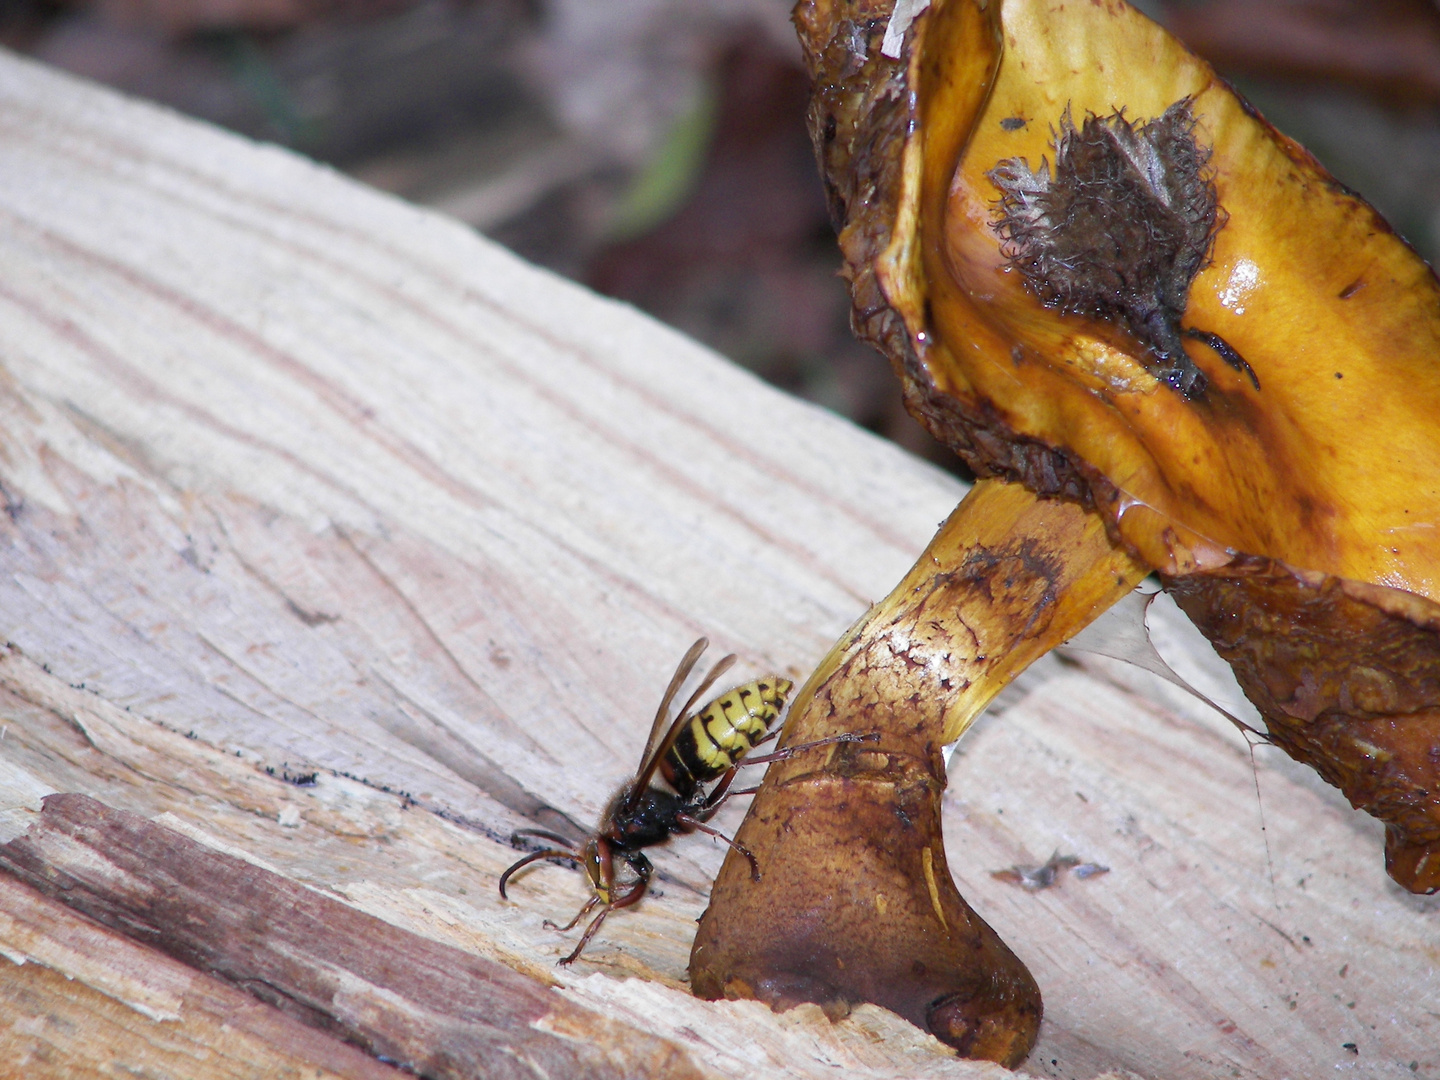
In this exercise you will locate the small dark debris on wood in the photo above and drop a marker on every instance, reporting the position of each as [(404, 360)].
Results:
[(1035, 878), (299, 779)]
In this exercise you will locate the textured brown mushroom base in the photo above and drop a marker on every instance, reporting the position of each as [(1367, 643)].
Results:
[(1282, 472)]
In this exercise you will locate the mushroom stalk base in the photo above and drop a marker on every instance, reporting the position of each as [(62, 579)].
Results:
[(855, 901)]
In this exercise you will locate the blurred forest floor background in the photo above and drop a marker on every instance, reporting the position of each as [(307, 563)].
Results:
[(656, 149)]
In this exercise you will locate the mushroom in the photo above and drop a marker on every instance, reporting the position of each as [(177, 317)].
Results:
[(1169, 341)]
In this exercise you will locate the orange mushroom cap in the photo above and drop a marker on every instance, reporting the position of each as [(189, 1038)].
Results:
[(1250, 400)]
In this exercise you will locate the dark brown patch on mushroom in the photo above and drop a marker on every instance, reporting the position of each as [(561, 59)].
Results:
[(1119, 231)]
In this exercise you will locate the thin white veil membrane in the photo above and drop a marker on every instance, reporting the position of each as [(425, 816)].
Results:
[(1148, 630)]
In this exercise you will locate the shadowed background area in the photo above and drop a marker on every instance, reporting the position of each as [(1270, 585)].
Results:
[(656, 149)]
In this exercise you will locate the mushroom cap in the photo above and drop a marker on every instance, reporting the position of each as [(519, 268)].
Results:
[(1250, 399)]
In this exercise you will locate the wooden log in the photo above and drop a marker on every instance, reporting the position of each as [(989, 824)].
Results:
[(141, 1012), (340, 539), (432, 1009)]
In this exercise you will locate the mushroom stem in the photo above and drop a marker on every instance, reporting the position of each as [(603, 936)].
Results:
[(855, 902)]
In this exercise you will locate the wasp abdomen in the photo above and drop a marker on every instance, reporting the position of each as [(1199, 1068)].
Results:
[(723, 732)]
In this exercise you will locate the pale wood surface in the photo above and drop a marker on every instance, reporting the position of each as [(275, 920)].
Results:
[(300, 477)]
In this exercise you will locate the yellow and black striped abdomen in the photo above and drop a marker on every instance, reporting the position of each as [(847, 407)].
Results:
[(720, 734)]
